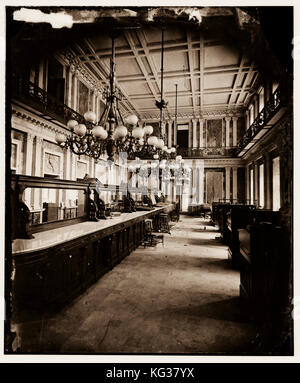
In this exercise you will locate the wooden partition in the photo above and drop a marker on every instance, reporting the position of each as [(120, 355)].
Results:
[(265, 265)]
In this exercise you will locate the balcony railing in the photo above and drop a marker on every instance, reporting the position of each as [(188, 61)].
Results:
[(29, 93), (206, 152), (270, 109)]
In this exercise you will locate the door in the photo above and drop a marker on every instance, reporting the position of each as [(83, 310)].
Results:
[(214, 186)]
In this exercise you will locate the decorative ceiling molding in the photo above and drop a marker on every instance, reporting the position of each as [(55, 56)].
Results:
[(238, 112), (75, 65)]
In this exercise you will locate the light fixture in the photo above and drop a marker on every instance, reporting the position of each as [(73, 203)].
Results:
[(112, 134)]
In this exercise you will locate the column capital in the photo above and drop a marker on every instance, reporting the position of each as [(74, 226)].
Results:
[(39, 140), (194, 120), (234, 118), (30, 137), (228, 118)]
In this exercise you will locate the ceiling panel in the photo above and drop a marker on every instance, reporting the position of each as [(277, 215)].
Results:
[(212, 99), (127, 66), (220, 55), (136, 87), (221, 80), (203, 68)]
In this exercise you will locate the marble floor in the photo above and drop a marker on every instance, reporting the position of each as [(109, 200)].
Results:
[(180, 298)]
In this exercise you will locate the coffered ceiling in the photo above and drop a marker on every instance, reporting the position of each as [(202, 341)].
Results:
[(211, 75)]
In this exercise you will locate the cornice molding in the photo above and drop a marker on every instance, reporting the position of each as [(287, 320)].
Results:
[(36, 121), (205, 114)]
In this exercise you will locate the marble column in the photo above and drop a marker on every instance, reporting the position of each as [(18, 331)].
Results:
[(234, 184), (193, 184), (256, 184), (41, 75), (227, 182), (73, 167), (67, 165), (234, 131), (175, 135), (163, 130), (247, 120), (75, 84), (194, 133), (69, 88), (28, 165), (37, 170), (92, 167), (94, 101), (169, 133), (247, 186), (201, 139), (267, 181), (227, 131)]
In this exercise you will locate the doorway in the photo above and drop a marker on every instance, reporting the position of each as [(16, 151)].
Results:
[(183, 136)]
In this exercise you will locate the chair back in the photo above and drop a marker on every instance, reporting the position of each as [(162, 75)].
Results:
[(148, 226)]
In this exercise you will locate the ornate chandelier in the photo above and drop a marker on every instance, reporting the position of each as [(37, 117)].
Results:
[(112, 134)]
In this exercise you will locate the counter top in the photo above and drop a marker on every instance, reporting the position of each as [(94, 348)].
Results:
[(57, 236)]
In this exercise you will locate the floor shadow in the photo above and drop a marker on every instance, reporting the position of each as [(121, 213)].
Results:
[(232, 309)]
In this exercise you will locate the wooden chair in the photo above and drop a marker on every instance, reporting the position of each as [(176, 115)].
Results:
[(164, 223), (150, 238)]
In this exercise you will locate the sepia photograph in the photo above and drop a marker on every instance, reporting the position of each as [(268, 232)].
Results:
[(149, 180)]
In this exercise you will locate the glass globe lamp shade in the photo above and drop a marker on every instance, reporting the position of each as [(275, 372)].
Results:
[(160, 143), (173, 150), (165, 148), (121, 131), (132, 120), (80, 130), (60, 138), (152, 140), (156, 156), (179, 158), (148, 129), (99, 132), (138, 132), (71, 124), (169, 150), (90, 116)]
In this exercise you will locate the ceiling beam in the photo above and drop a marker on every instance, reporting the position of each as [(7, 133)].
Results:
[(243, 90), (237, 80), (140, 63), (132, 107), (150, 60), (177, 74), (154, 48), (186, 93)]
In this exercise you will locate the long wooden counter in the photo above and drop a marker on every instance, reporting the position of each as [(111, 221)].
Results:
[(61, 235), (57, 265)]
